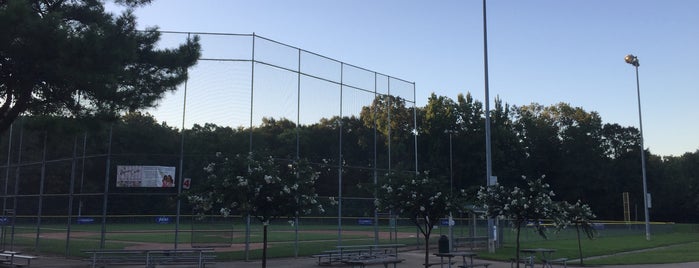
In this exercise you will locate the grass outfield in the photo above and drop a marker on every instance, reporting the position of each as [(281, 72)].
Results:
[(662, 248), (613, 246)]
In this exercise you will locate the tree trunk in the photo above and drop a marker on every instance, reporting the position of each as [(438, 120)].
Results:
[(427, 251), (517, 246), (264, 246), (577, 229)]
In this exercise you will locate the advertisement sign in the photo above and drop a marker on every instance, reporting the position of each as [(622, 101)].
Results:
[(145, 176), (162, 220)]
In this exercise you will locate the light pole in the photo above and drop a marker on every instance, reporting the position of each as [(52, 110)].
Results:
[(633, 60), (451, 189), (488, 163)]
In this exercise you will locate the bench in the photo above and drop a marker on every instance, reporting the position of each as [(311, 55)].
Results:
[(373, 261), (151, 258), (563, 261), (10, 256)]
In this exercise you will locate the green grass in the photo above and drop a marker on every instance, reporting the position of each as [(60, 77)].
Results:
[(688, 252), (611, 245), (680, 243)]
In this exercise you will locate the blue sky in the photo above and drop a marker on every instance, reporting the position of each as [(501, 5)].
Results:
[(543, 51)]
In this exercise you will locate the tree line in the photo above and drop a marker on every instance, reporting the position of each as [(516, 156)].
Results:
[(584, 158)]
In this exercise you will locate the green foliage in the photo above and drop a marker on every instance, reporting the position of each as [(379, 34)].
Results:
[(421, 199), (578, 215), (260, 187), (522, 206), (73, 58), (528, 205)]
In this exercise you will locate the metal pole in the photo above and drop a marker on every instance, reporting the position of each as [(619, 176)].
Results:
[(82, 176), (71, 193), (643, 158), (252, 94), (415, 125), (3, 234), (375, 169), (17, 176), (105, 196), (181, 172), (7, 173), (339, 170), (42, 181), (451, 165), (298, 148), (488, 162), (451, 192)]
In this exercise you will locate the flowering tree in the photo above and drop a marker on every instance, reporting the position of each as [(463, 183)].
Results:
[(257, 187), (419, 198), (520, 205), (579, 215)]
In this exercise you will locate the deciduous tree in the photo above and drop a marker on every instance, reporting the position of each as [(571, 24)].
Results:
[(258, 187), (422, 200)]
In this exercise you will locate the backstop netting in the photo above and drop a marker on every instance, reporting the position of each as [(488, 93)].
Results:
[(246, 94)]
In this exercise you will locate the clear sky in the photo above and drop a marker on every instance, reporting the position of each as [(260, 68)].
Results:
[(543, 51)]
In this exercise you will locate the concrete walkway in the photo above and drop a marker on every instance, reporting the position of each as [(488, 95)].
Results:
[(413, 259)]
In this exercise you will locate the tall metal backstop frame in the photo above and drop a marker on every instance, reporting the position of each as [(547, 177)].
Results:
[(243, 82)]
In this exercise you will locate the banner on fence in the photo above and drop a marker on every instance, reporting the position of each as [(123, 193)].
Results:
[(145, 176)]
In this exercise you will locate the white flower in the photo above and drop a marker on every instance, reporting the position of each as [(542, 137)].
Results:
[(268, 179), (210, 167), (225, 212), (422, 208)]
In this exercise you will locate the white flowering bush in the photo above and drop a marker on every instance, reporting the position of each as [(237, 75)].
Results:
[(578, 215), (423, 200), (259, 187), (522, 206)]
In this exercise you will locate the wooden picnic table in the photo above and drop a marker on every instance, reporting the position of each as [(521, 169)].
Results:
[(450, 255), (8, 257), (545, 255), (371, 249), (346, 253)]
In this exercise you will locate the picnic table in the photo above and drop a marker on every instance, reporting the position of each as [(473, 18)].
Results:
[(463, 255), (150, 258), (8, 257), (347, 253), (546, 257)]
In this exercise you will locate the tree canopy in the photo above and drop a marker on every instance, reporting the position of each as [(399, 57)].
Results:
[(597, 171), (72, 58)]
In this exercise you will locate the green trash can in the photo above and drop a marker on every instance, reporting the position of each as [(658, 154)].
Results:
[(443, 244)]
